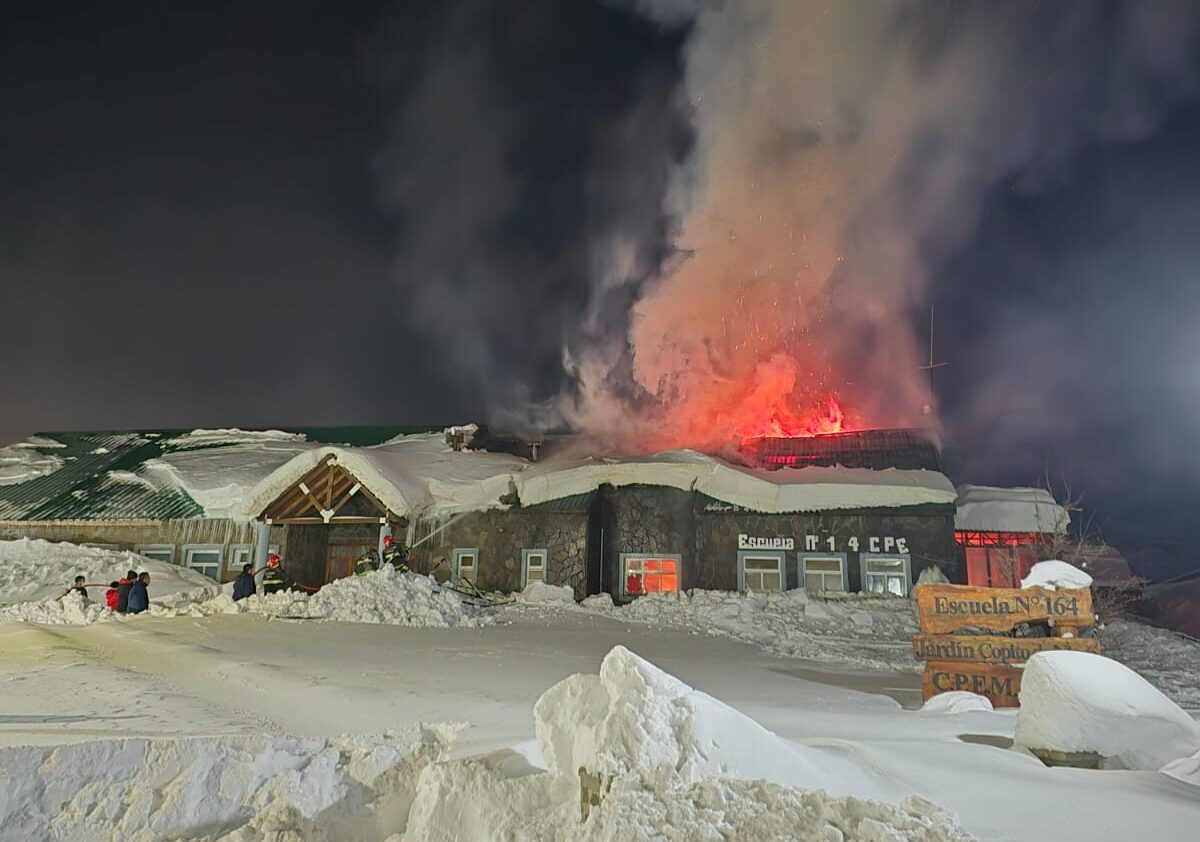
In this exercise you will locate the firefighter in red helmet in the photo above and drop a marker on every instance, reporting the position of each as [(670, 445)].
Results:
[(274, 579)]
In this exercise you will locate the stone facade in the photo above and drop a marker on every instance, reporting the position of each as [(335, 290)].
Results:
[(500, 536)]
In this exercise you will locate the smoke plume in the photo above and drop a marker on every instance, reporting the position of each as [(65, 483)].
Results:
[(844, 151)]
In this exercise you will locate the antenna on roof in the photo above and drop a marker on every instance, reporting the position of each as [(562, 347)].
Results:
[(932, 365)]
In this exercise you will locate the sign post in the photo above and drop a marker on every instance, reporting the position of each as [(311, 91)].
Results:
[(990, 664)]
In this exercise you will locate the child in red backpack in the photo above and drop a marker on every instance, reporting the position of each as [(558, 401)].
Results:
[(110, 595)]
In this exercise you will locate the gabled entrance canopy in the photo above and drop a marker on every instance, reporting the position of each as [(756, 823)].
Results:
[(328, 494)]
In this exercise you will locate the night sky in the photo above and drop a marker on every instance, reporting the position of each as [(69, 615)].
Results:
[(310, 213)]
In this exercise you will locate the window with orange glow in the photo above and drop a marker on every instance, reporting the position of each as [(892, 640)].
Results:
[(643, 574)]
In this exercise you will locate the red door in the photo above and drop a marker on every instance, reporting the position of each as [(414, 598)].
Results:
[(998, 567)]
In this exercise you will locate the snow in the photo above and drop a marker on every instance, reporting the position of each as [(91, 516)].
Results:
[(956, 701), (212, 787), (983, 508), (385, 596), (1082, 702), (21, 462), (1055, 574), (37, 571), (540, 593), (1170, 661), (681, 764), (855, 630), (783, 490)]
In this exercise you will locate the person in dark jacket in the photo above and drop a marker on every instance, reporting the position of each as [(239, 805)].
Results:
[(394, 555), (243, 585), (139, 597), (123, 587), (274, 579)]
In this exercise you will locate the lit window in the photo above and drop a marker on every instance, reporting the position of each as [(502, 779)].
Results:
[(465, 562), (823, 571), (158, 552), (533, 566), (204, 558), (885, 574), (643, 574), (761, 572)]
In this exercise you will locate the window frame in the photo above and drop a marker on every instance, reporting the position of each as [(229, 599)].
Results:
[(456, 566), (907, 575), (803, 558), (780, 558), (141, 549), (189, 549), (525, 556), (231, 561), (643, 557)]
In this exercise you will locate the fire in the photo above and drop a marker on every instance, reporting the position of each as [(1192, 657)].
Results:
[(784, 421), (773, 406)]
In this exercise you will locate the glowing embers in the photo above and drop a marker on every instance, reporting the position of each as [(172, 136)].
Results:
[(644, 574), (782, 421)]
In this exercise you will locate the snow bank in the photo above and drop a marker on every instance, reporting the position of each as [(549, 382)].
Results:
[(635, 716), (1055, 575), (539, 593), (384, 597), (1081, 702), (956, 701), (37, 571), (205, 788), (21, 463), (1168, 660), (861, 631), (1186, 769), (671, 763)]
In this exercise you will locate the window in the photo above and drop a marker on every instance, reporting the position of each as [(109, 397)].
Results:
[(885, 574), (465, 562), (823, 572), (204, 558), (158, 552), (760, 571), (240, 554), (643, 574), (533, 566)]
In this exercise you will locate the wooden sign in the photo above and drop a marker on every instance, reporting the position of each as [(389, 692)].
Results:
[(947, 608), (991, 649), (1000, 683)]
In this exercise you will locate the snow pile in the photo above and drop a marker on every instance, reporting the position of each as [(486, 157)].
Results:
[(1081, 702), (384, 597), (21, 463), (669, 762), (539, 593), (71, 610), (231, 788), (1186, 769), (635, 716), (1168, 660), (37, 571), (862, 631), (1056, 575), (956, 701)]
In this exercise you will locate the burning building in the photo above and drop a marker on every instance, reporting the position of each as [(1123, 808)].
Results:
[(859, 511)]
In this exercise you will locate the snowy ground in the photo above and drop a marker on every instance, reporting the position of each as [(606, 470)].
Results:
[(261, 704)]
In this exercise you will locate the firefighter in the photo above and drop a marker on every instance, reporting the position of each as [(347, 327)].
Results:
[(368, 562), (274, 579), (394, 555)]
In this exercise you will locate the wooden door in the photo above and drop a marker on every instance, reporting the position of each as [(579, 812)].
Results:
[(341, 555)]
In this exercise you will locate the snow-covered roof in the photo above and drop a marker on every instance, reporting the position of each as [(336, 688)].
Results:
[(758, 489), (983, 508), (416, 474)]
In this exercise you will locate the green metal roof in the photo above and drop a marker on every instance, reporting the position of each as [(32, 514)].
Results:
[(574, 503), (100, 476)]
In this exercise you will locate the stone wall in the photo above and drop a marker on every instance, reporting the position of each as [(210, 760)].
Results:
[(500, 536), (651, 519)]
